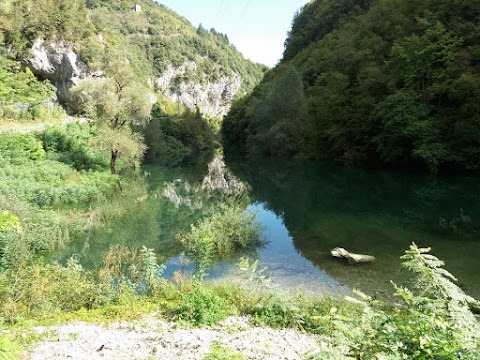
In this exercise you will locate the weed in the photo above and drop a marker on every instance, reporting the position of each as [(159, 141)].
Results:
[(220, 352)]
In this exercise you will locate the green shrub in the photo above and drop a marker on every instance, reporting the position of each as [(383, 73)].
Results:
[(227, 229), (43, 290), (9, 221), (41, 230), (202, 306), (8, 349), (17, 146), (73, 145), (47, 183)]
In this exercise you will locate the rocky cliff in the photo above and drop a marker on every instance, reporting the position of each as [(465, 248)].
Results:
[(61, 65), (212, 98), (192, 65)]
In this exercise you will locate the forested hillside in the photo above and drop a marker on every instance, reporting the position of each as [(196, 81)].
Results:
[(378, 82), (165, 52)]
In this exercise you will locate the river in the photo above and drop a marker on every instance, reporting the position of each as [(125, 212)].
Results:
[(306, 210)]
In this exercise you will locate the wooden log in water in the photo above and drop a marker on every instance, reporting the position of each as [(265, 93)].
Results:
[(351, 257)]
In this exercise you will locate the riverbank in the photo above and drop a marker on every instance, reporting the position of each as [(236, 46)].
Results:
[(56, 191), (156, 338)]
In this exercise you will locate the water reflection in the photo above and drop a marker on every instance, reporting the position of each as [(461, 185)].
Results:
[(372, 212), (307, 210)]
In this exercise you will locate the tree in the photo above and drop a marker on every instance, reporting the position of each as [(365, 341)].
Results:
[(176, 87), (278, 116), (420, 61), (409, 130), (117, 103)]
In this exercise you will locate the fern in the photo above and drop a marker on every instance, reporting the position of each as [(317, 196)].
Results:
[(437, 289), (431, 278), (435, 322)]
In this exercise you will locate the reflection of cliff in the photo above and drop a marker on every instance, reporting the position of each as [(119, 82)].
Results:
[(217, 181), (219, 178)]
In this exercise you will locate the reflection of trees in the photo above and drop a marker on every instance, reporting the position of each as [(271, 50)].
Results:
[(186, 199), (303, 193), (372, 212)]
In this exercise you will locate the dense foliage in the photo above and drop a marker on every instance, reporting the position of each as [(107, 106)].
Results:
[(38, 175), (171, 140), (22, 95), (385, 82), (221, 234)]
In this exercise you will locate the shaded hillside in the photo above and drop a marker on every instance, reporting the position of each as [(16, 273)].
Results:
[(385, 82), (194, 66)]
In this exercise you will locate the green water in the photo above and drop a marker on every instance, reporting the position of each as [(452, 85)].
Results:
[(371, 212), (306, 211)]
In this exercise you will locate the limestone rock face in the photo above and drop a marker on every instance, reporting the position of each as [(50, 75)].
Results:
[(59, 63), (213, 98)]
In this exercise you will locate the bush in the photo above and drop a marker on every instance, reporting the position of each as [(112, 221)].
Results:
[(201, 306), (17, 146), (8, 349), (227, 229), (48, 183), (73, 145), (40, 230), (41, 291)]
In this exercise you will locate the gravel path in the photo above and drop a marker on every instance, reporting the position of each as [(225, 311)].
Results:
[(40, 127), (159, 339)]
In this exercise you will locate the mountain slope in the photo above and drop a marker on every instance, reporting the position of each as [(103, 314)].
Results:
[(193, 66), (386, 82)]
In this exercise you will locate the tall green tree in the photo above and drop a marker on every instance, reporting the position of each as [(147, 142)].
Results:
[(392, 82), (277, 116), (117, 103)]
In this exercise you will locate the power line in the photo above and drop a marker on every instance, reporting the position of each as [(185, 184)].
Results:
[(245, 8), (219, 12), (223, 10)]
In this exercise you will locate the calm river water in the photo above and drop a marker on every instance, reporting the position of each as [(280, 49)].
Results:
[(307, 210)]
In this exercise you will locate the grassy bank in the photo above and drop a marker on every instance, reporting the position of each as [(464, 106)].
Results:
[(436, 324)]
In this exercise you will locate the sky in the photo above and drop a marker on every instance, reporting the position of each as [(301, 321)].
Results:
[(257, 28)]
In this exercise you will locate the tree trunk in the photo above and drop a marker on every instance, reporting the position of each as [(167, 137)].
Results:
[(113, 162), (178, 105)]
